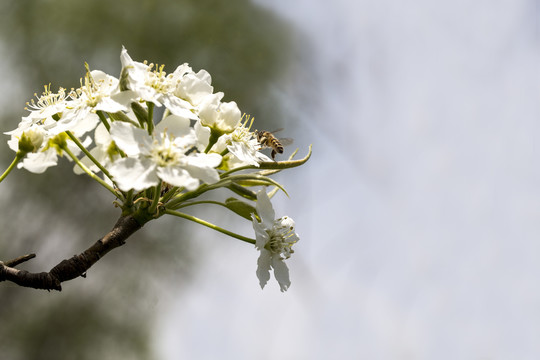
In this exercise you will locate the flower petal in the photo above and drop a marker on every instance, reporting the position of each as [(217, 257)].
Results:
[(261, 236), (177, 177), (37, 163), (263, 267), (265, 209), (281, 273), (179, 107), (208, 109), (136, 174), (102, 136), (195, 87), (203, 135), (202, 166), (230, 116), (174, 125), (130, 139)]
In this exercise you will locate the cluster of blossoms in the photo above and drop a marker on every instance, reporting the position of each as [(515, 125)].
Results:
[(108, 128)]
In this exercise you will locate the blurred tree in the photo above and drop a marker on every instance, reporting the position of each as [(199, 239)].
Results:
[(57, 214)]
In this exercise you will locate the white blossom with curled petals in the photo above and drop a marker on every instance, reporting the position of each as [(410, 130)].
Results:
[(274, 239), (221, 116)]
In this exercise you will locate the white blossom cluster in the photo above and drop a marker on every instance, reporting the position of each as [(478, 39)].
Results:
[(136, 153), (109, 128)]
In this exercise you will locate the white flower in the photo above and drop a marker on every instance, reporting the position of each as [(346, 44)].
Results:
[(241, 143), (274, 239), (162, 156), (195, 87), (54, 113), (154, 85), (41, 147), (223, 117), (35, 137), (99, 92), (49, 104), (244, 146)]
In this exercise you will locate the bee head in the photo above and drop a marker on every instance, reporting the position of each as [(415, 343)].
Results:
[(258, 134)]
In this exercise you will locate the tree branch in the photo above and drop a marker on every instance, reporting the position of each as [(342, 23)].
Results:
[(71, 268)]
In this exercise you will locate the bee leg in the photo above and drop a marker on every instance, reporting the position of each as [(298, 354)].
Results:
[(273, 154)]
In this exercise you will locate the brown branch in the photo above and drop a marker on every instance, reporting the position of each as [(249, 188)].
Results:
[(71, 268), (19, 260)]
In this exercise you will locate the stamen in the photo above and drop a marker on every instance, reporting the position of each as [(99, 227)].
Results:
[(158, 79), (46, 99), (248, 118)]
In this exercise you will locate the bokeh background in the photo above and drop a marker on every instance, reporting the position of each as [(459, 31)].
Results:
[(418, 212)]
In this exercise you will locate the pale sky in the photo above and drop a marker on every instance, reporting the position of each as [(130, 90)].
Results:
[(418, 213)]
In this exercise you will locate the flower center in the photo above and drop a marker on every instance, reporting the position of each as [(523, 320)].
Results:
[(241, 133), (158, 79), (280, 239), (165, 153), (47, 99), (91, 88)]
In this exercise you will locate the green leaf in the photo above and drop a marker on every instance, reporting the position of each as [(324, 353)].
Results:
[(271, 167), (255, 180), (274, 165), (120, 116), (124, 80), (241, 208), (140, 112), (242, 191)]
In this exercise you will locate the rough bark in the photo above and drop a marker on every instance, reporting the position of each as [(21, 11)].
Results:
[(70, 268)]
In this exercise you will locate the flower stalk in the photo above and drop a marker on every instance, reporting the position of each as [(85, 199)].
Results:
[(18, 157), (210, 225), (91, 173)]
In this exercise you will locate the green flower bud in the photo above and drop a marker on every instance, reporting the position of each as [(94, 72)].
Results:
[(30, 141)]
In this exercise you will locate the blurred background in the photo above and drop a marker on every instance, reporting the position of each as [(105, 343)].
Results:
[(418, 212)]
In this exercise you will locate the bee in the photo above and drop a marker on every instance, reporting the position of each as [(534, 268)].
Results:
[(268, 140)]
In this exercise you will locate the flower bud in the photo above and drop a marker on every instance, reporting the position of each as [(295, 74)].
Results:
[(31, 140)]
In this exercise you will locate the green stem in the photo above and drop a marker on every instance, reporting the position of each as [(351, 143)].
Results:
[(254, 180), (214, 136), (169, 194), (201, 202), (210, 202), (92, 175), (227, 179), (18, 157), (210, 225), (155, 201), (246, 167), (129, 198), (195, 193), (87, 153), (150, 117), (103, 119)]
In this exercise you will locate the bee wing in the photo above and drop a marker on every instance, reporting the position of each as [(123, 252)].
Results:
[(286, 141), (277, 130)]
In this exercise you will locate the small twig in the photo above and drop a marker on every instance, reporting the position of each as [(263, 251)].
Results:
[(19, 260)]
